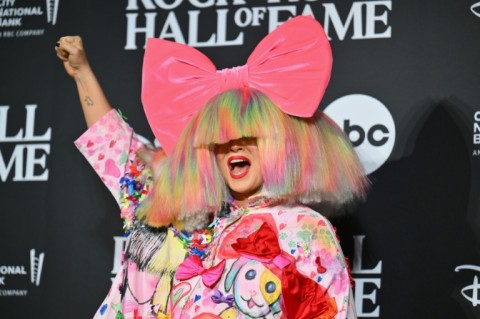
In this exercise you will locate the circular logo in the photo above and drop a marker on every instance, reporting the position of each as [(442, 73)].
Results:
[(476, 9), (369, 126)]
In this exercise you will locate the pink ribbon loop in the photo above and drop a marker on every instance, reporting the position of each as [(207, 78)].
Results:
[(236, 77), (291, 65)]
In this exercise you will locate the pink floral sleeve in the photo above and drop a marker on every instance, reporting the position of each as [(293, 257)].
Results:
[(311, 239), (109, 146)]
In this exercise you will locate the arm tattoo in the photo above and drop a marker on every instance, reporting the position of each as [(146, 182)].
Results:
[(88, 101)]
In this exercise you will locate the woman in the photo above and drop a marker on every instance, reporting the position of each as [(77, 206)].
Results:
[(221, 231)]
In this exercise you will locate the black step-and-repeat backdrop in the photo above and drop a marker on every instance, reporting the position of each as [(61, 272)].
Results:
[(405, 88)]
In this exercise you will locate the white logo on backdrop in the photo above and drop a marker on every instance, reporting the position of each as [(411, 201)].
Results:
[(476, 9), (7, 271), (476, 133), (36, 267), (28, 159), (471, 292), (365, 20), (365, 277), (17, 19), (120, 242), (52, 10), (369, 126)]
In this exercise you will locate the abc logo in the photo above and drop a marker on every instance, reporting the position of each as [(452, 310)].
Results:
[(369, 126)]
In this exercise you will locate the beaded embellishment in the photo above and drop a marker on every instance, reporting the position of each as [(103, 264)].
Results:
[(134, 186), (196, 243)]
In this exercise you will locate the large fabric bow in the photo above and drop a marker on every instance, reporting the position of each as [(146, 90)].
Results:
[(192, 266), (302, 297), (291, 65)]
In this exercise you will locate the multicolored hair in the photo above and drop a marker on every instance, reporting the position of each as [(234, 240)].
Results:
[(303, 160)]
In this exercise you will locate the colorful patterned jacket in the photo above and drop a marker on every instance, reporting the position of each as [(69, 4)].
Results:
[(268, 260)]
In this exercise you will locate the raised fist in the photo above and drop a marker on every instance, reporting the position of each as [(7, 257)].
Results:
[(70, 50)]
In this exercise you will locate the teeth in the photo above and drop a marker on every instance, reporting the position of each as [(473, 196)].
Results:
[(237, 161)]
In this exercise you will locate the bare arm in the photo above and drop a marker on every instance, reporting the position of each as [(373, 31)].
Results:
[(94, 103)]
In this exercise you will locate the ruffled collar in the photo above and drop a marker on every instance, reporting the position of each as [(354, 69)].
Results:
[(258, 201), (233, 211)]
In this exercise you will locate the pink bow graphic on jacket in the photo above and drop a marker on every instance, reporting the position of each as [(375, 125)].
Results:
[(192, 266)]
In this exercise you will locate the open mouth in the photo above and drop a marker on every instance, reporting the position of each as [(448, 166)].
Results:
[(239, 166)]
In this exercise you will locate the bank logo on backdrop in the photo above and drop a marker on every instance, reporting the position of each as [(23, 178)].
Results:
[(14, 278), (476, 9), (369, 126), (231, 18), (36, 267), (22, 19), (52, 10), (471, 292)]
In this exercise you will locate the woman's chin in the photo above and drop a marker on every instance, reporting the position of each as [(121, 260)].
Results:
[(240, 194)]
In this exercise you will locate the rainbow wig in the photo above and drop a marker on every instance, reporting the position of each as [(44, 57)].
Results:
[(303, 160)]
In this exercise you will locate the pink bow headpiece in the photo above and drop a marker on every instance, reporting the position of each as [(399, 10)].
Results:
[(291, 65)]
